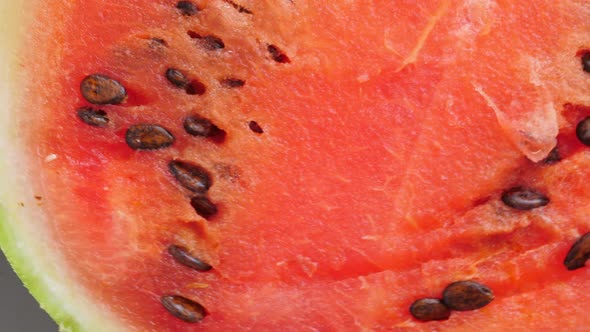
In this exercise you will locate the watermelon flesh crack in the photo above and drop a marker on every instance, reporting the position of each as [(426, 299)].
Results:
[(363, 159)]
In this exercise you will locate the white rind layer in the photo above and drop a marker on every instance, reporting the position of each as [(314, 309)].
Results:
[(24, 228)]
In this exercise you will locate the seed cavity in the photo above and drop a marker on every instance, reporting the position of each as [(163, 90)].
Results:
[(278, 55), (553, 157), (180, 80), (191, 176), (187, 8), (183, 308), (203, 206), (238, 7), (583, 131), (195, 87), (183, 256), (255, 127), (586, 62), (177, 78), (99, 89), (209, 42), (232, 83), (467, 295), (92, 117), (579, 253), (524, 198), (201, 127), (147, 136), (428, 309)]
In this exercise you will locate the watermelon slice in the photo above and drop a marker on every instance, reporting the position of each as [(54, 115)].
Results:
[(222, 165)]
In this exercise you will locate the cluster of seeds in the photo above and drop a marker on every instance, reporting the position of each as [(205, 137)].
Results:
[(99, 89), (458, 296), (579, 253), (469, 295)]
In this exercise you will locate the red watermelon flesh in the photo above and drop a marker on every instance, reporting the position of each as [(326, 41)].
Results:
[(361, 168)]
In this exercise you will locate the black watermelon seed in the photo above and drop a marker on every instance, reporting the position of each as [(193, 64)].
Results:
[(101, 90), (553, 157), (183, 256), (430, 309), (583, 131), (191, 176), (233, 83), (586, 62), (467, 295), (278, 55), (156, 43), (204, 207), (213, 43), (187, 8), (209, 42), (148, 137), (198, 126), (176, 77), (92, 117), (255, 127), (183, 308), (579, 253), (524, 199)]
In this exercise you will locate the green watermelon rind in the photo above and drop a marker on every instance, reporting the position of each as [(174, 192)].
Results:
[(13, 239), (23, 239), (36, 285)]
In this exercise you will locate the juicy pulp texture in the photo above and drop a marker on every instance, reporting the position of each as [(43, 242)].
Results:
[(386, 143)]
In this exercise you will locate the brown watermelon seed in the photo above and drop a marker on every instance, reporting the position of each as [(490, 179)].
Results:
[(428, 309), (198, 126), (255, 127), (210, 42), (204, 207), (524, 199), (583, 131), (553, 157), (278, 55), (145, 136), (579, 253), (238, 7), (232, 83), (187, 8), (195, 87), (183, 308), (586, 62), (213, 43), (101, 90), (191, 176), (183, 256), (92, 117), (157, 42), (176, 77), (467, 295)]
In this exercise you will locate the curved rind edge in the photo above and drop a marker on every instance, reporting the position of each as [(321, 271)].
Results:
[(12, 30), (35, 284), (28, 251)]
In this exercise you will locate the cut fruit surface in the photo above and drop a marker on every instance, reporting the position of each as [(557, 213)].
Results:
[(297, 165)]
